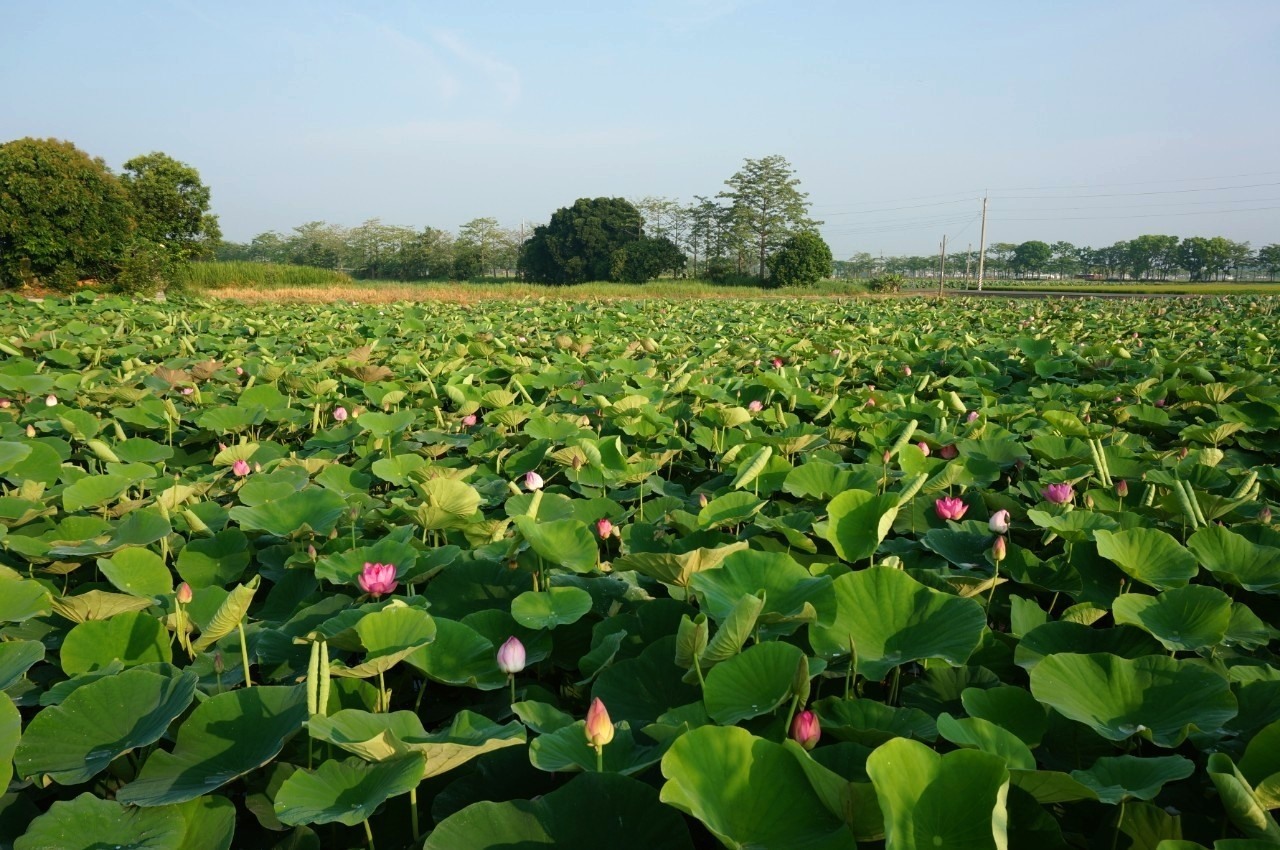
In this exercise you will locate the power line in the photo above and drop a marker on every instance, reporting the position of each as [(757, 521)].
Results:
[(1147, 215), (1134, 194), (1138, 183), (892, 209), (1147, 206)]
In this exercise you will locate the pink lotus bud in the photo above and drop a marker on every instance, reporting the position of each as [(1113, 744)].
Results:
[(948, 452), (999, 522), (188, 390), (51, 400), (340, 414), (184, 594), (1264, 515), (219, 666), (511, 656), (222, 447), (755, 406), (836, 352), (950, 507), (871, 402), (469, 420), (603, 527), (702, 500), (31, 431), (4, 403), (777, 362), (1122, 488), (1117, 400), (239, 371), (806, 730), (599, 726), (973, 414), (999, 549), (906, 370), (377, 579), (1160, 402), (533, 481), (240, 468), (1182, 454), (923, 447), (311, 551), (1059, 494), (522, 340)]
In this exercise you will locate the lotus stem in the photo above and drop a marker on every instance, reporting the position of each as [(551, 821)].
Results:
[(599, 759), (368, 833), (511, 679), (244, 655), (413, 814), (791, 713)]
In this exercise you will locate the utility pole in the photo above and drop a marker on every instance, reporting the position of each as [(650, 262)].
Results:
[(942, 264), (982, 244)]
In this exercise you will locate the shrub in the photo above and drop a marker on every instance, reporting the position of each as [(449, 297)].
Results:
[(886, 283)]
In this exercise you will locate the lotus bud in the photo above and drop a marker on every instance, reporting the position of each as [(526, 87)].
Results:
[(906, 370), (599, 727), (1160, 402), (184, 594), (755, 406), (51, 400), (1058, 494), (1264, 516), (973, 415), (951, 507), (948, 452), (702, 500), (239, 370), (188, 390), (886, 457), (31, 431), (923, 447), (999, 522), (1117, 400), (5, 403), (222, 447), (533, 481), (340, 414), (1182, 455), (1088, 500), (777, 362), (511, 656), (218, 666), (999, 549), (604, 528), (377, 579), (240, 468), (1122, 488), (469, 420), (871, 402), (806, 730), (311, 551), (257, 467)]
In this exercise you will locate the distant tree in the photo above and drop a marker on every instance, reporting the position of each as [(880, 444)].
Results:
[(1149, 254), (803, 260), (63, 215), (1032, 257), (1196, 255), (1065, 258), (579, 242), (645, 259), (1268, 260), (484, 239), (468, 262), (768, 204), (171, 206), (322, 245)]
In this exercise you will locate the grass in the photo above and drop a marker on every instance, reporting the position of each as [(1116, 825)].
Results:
[(236, 275), (1176, 288)]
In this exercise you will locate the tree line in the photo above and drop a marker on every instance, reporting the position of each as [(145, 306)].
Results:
[(1147, 257)]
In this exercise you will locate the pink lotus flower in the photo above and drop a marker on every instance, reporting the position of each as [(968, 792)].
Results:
[(906, 370), (948, 452), (950, 507), (4, 403), (51, 400), (806, 730), (240, 468), (188, 390), (973, 414), (702, 500), (511, 656), (340, 414), (469, 420), (923, 447), (1058, 494), (1122, 488), (1264, 516), (755, 406), (999, 522), (378, 579), (604, 528), (1160, 402), (1117, 400), (777, 362), (999, 549), (184, 594), (599, 727), (239, 371), (532, 480), (871, 402)]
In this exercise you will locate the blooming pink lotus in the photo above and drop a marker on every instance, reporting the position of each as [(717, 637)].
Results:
[(604, 528), (511, 656), (340, 414), (950, 507), (806, 730), (599, 727), (378, 579), (240, 468), (1059, 494), (948, 452), (755, 406), (999, 522), (533, 481), (188, 390)]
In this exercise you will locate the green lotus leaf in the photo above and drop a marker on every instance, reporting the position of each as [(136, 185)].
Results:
[(1048, 786), (885, 618), (1011, 708), (16, 658), (1236, 560), (754, 682), (93, 490), (1260, 764), (210, 823), (1157, 697), (313, 508), (1063, 636), (11, 453), (347, 791), (640, 690), (228, 616), (1075, 526), (41, 465), (21, 599), (792, 596), (214, 561), (1120, 778), (88, 823), (446, 503), (378, 737), (345, 567), (388, 637), (676, 569), (852, 800), (871, 723), (74, 741), (566, 750), (386, 425), (730, 509), (133, 638), (566, 542), (98, 605), (227, 736), (928, 800), (978, 734), (1183, 619), (546, 609), (459, 655), (1246, 810), (820, 480), (138, 571), (396, 469), (748, 792), (1148, 555), (592, 810), (857, 522), (10, 733)]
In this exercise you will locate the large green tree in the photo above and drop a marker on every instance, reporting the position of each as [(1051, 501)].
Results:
[(172, 206), (768, 205), (1032, 257), (803, 260), (63, 215), (646, 258), (579, 242)]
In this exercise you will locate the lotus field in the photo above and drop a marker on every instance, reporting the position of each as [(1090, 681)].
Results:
[(784, 574)]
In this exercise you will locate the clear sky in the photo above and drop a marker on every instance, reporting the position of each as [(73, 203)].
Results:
[(1157, 114)]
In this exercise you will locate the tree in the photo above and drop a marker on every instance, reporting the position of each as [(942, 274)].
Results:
[(767, 203), (1065, 258), (579, 242), (482, 240), (1032, 257), (646, 258), (1269, 260), (171, 206), (63, 215), (803, 260)]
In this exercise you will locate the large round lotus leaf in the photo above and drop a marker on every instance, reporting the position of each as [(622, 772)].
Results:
[(1011, 708), (1261, 761), (42, 464), (730, 509), (593, 810), (93, 490), (77, 739), (313, 508), (1243, 806), (642, 689), (396, 469), (378, 737), (1155, 696), (1148, 555), (386, 424), (345, 791), (1234, 559), (227, 736), (748, 792), (138, 571), (133, 637), (388, 637), (1075, 526), (978, 734), (1183, 619), (885, 618), (857, 522), (210, 823), (673, 568), (871, 723), (345, 567), (10, 732), (1064, 636), (954, 801), (546, 609), (565, 543), (21, 599), (88, 823), (17, 657), (459, 655), (754, 682), (837, 774), (566, 750), (446, 503), (1048, 786), (214, 561), (791, 595), (1120, 778)]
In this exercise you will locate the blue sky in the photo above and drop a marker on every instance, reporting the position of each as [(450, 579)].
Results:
[(1158, 117)]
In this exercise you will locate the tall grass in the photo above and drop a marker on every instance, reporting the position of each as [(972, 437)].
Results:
[(221, 275)]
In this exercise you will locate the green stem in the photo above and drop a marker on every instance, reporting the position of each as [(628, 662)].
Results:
[(791, 713), (413, 814), (368, 833), (382, 694), (995, 575), (1115, 835), (244, 655), (512, 680), (599, 759)]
